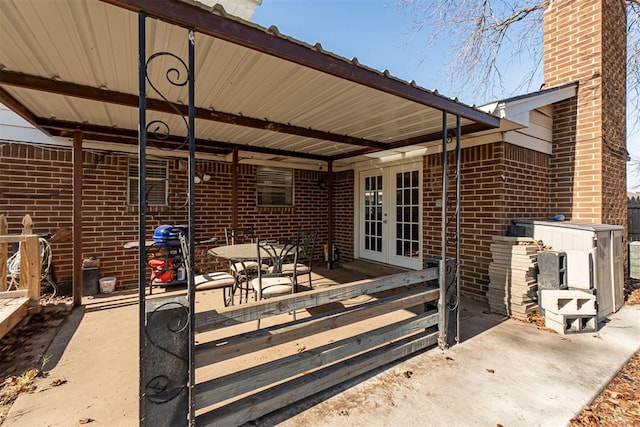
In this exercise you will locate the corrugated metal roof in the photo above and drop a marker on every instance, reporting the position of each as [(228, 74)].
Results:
[(270, 91)]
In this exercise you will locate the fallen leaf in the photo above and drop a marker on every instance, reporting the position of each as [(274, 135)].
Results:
[(85, 420), (58, 382), (491, 371), (407, 373), (449, 358)]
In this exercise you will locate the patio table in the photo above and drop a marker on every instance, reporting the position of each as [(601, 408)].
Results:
[(243, 253), (239, 252)]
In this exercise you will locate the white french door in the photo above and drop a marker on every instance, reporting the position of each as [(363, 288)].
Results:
[(390, 215)]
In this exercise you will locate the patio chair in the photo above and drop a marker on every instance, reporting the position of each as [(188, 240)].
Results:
[(207, 281), (217, 280), (304, 265), (274, 282), (245, 270)]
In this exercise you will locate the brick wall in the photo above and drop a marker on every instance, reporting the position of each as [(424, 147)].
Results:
[(37, 180), (614, 129), (585, 41), (343, 212), (500, 182)]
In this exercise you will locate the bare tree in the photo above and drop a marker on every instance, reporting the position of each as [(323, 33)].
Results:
[(633, 168), (488, 37), (633, 59)]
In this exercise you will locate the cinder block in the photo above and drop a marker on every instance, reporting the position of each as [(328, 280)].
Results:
[(569, 302), (552, 266), (567, 324)]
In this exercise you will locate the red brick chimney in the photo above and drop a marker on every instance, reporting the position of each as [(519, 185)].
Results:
[(585, 41)]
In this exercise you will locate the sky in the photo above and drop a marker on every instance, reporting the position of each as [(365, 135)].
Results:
[(379, 34), (382, 36)]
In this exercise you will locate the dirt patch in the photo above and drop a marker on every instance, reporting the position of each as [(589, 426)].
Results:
[(23, 351), (619, 402)]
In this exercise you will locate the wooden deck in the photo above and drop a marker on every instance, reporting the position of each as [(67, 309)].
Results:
[(14, 304), (13, 308)]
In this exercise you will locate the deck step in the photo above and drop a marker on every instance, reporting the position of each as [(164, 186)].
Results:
[(12, 311)]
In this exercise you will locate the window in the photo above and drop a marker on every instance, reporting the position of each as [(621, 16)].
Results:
[(275, 186), (157, 183)]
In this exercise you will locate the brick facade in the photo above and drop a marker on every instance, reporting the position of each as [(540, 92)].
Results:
[(586, 42), (37, 180), (500, 182), (343, 213)]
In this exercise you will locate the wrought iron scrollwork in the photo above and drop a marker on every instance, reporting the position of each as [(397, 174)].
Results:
[(452, 170), (177, 75), (164, 387)]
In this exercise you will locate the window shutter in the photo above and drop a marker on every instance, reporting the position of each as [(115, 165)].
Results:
[(275, 186), (156, 183)]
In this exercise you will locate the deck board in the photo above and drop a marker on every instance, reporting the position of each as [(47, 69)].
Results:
[(12, 311)]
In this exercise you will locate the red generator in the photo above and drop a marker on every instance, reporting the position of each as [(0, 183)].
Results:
[(161, 270)]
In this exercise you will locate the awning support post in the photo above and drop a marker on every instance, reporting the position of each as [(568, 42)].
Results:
[(449, 278), (167, 329), (78, 280), (142, 206), (330, 215), (192, 227)]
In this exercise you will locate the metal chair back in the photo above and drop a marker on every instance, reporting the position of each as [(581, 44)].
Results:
[(239, 235)]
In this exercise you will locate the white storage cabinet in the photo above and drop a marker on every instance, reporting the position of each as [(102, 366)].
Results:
[(594, 257)]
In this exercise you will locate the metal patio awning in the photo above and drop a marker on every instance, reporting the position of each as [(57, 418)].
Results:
[(72, 65)]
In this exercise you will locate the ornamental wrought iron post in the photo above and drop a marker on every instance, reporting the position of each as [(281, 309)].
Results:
[(192, 227), (167, 330), (142, 207), (448, 304)]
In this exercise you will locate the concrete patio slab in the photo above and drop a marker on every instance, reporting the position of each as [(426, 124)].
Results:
[(504, 371)]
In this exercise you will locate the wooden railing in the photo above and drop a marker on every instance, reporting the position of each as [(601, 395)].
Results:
[(30, 264), (346, 337)]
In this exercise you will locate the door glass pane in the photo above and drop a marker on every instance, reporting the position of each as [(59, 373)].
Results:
[(407, 239), (373, 213)]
